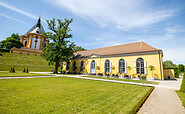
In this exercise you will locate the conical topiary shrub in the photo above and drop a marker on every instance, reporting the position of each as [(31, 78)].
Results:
[(13, 70), (10, 70), (27, 71), (23, 70)]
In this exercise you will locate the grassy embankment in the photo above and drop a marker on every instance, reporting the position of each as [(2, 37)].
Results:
[(68, 95), (32, 62), (127, 80)]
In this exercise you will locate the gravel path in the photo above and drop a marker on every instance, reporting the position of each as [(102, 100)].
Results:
[(164, 100)]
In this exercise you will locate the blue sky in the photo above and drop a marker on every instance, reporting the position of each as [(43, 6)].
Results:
[(101, 23)]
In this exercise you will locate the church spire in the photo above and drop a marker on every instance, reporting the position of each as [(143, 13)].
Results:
[(37, 28), (39, 22)]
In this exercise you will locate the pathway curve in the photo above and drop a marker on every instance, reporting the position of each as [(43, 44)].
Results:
[(164, 100)]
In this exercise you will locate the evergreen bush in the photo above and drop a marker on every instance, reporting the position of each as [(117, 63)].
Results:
[(63, 71), (23, 70), (182, 89), (27, 71), (13, 70), (10, 70), (143, 77), (176, 72)]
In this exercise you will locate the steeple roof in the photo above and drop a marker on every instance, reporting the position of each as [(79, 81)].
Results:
[(37, 28)]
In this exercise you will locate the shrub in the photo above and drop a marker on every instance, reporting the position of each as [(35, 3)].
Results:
[(100, 74), (98, 67), (63, 71), (10, 70), (13, 70), (35, 55), (20, 53), (28, 54), (133, 75), (27, 71), (182, 89), (113, 68), (23, 70), (143, 77), (176, 72)]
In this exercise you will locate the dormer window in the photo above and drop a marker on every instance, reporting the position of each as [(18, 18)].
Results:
[(37, 31)]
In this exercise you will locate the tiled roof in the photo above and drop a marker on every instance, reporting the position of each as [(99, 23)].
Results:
[(136, 47)]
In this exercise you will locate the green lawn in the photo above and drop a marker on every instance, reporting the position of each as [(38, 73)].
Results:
[(16, 74), (34, 63), (127, 80), (182, 97), (68, 95)]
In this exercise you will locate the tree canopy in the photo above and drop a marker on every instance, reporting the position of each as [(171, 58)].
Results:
[(60, 49), (169, 64), (181, 67), (10, 42), (79, 48)]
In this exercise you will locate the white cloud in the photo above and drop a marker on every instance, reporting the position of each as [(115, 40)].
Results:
[(175, 29), (124, 14), (14, 19), (18, 10), (177, 54)]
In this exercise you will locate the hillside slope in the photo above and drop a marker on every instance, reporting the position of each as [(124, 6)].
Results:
[(21, 61)]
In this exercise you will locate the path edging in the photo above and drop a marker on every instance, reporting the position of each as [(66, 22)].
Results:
[(141, 102)]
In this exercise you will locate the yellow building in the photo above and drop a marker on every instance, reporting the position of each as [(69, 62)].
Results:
[(131, 59), (33, 39)]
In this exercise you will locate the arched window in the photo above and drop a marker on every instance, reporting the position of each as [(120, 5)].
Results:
[(82, 66), (140, 66), (121, 66), (74, 66), (67, 66), (107, 66)]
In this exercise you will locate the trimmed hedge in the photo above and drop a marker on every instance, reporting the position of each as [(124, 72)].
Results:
[(182, 89), (139, 105), (4, 50)]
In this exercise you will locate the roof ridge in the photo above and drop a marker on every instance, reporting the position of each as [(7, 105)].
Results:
[(111, 46)]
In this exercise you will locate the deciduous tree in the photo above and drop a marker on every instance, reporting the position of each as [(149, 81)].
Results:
[(181, 67), (10, 42), (60, 49)]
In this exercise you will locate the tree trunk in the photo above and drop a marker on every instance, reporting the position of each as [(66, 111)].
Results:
[(56, 68)]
